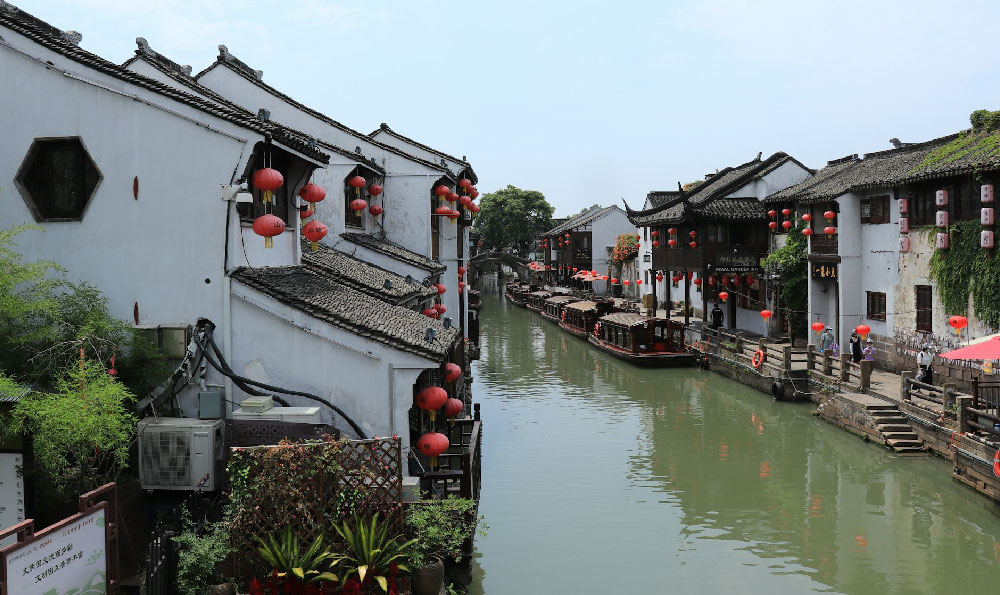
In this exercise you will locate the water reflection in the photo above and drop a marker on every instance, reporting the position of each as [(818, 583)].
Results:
[(603, 477)]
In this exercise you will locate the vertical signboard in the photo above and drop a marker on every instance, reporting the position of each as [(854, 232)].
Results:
[(11, 493), (67, 558)]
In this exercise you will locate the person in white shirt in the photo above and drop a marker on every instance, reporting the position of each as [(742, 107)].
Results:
[(924, 359)]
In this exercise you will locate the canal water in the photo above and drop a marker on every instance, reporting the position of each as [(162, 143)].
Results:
[(601, 477)]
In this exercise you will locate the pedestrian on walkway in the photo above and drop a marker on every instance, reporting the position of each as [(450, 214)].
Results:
[(835, 348), (869, 351), (826, 340), (855, 347), (924, 359), (717, 317)]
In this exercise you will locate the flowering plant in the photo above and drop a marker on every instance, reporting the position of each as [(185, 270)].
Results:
[(626, 248)]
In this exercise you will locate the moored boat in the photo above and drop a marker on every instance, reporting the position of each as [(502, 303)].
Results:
[(536, 300), (554, 307), (578, 318), (641, 340)]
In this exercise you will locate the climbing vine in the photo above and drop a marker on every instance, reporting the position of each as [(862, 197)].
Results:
[(965, 269), (626, 248), (982, 142), (790, 262)]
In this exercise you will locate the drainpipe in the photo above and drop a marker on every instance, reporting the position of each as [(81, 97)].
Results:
[(227, 336)]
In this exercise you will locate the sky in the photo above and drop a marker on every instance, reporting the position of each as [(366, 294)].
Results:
[(593, 102)]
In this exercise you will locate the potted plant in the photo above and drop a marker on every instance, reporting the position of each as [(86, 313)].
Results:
[(372, 555), (295, 569), (440, 528)]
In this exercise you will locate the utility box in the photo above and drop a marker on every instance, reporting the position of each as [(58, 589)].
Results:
[(257, 404), (302, 415), (211, 405)]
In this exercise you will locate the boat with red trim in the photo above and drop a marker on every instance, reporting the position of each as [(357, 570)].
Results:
[(641, 340)]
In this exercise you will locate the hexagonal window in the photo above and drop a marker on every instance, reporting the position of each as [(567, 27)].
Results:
[(57, 179)]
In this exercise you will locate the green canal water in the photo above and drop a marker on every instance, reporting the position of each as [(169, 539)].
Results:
[(601, 477)]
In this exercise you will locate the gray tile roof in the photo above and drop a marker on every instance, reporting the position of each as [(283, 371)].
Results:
[(383, 127), (352, 310), (363, 276), (64, 44), (395, 251), (592, 214), (733, 209), (239, 67), (658, 198)]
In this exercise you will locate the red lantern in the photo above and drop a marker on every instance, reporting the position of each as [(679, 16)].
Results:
[(461, 284), (772, 213), (453, 214), (786, 212), (268, 226), (863, 330), (303, 215), (736, 280), (693, 245), (461, 271), (442, 191), (765, 314), (473, 192), (568, 236), (432, 444), (441, 309), (958, 323), (655, 233), (431, 399), (807, 231), (357, 182), (724, 280), (464, 183), (676, 279), (464, 201), (614, 281), (312, 193), (656, 243), (429, 312), (267, 180), (830, 215), (672, 242), (829, 231), (452, 196), (773, 226), (807, 217), (443, 211), (672, 231), (452, 407), (625, 282), (574, 269), (374, 190), (692, 234), (440, 288), (723, 295), (817, 326), (697, 282), (375, 210), (786, 225), (358, 205), (659, 276), (638, 281), (314, 231), (474, 208), (605, 278)]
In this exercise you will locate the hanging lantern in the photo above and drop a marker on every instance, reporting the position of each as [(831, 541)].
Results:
[(268, 226), (693, 244), (604, 278), (473, 192), (807, 217), (786, 224), (614, 281), (441, 309), (464, 201), (697, 283), (433, 444), (656, 243), (829, 231), (453, 215), (312, 193), (829, 216), (724, 280), (676, 279), (442, 191), (655, 233), (474, 208), (429, 312), (307, 213), (773, 225), (786, 211), (625, 282), (431, 399), (723, 295), (672, 242), (461, 284), (672, 231), (692, 234), (451, 197), (659, 276), (452, 407), (464, 183), (807, 231), (440, 288), (750, 279), (452, 372), (567, 236), (711, 280), (461, 271), (765, 314), (958, 323), (314, 231), (358, 205), (942, 241), (267, 180), (374, 190), (442, 211), (863, 330), (817, 326), (736, 280), (638, 281), (375, 210), (357, 182), (772, 213)]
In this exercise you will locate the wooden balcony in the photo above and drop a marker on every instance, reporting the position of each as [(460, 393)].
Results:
[(820, 244), (678, 259)]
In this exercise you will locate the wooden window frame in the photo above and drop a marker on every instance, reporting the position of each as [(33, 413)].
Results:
[(875, 210), (876, 305), (924, 315)]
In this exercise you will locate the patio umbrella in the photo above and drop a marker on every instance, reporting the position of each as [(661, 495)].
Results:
[(988, 348)]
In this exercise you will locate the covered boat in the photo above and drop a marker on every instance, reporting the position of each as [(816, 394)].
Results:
[(536, 300), (641, 340), (554, 306), (579, 318)]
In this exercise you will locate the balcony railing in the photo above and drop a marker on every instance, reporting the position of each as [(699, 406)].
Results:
[(678, 259), (820, 244)]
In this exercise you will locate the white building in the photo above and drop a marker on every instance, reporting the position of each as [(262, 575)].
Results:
[(587, 239)]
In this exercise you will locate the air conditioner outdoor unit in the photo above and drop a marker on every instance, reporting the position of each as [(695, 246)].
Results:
[(181, 453), (302, 415)]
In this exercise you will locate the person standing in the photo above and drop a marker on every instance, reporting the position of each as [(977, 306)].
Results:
[(826, 340), (855, 347), (869, 351), (924, 359), (717, 316)]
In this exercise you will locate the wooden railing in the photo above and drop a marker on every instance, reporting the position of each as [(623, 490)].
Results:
[(820, 244), (460, 468), (970, 418)]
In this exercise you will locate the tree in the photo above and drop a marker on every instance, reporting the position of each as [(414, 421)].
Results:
[(790, 262), (511, 218)]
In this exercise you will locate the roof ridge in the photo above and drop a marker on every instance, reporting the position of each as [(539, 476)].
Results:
[(383, 127), (908, 147)]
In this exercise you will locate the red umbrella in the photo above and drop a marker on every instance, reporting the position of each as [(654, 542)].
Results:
[(989, 349)]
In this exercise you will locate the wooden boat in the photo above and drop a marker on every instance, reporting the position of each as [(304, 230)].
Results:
[(578, 318), (518, 293), (641, 340), (554, 305), (536, 300)]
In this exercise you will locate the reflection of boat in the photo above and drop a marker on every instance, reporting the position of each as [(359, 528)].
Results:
[(579, 318), (644, 341), (554, 306), (536, 300)]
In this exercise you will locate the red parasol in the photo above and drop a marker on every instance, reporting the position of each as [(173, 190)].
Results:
[(988, 349)]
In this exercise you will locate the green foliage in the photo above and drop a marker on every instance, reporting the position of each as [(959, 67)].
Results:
[(982, 119), (511, 218), (965, 270), (199, 553), (790, 261), (287, 558), (691, 185), (371, 551), (81, 430), (981, 144), (441, 527), (625, 248)]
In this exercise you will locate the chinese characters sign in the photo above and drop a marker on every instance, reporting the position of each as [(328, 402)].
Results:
[(824, 270), (11, 493), (737, 263), (68, 559)]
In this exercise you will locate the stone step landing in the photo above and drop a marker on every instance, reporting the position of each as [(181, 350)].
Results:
[(873, 419)]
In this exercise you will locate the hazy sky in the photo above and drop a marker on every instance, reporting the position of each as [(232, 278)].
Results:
[(590, 102)]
